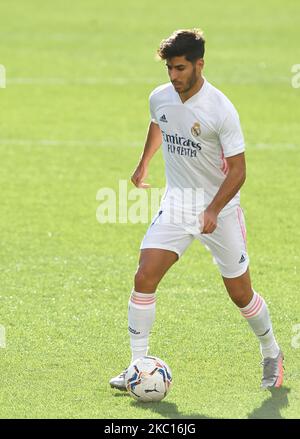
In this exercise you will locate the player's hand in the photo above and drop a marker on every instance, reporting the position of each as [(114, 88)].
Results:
[(139, 176), (208, 221)]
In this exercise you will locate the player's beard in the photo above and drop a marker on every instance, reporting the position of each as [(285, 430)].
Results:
[(191, 81)]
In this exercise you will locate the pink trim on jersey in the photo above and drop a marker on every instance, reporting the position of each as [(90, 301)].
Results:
[(255, 308), (224, 167), (242, 224)]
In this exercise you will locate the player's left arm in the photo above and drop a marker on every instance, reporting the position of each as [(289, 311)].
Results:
[(234, 180)]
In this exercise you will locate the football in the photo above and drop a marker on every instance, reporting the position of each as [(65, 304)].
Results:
[(148, 379)]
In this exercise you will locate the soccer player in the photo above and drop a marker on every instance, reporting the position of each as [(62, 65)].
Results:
[(203, 149)]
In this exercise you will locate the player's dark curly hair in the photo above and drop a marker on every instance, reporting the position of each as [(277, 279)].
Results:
[(184, 42)]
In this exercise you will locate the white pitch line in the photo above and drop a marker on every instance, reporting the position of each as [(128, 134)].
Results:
[(115, 143)]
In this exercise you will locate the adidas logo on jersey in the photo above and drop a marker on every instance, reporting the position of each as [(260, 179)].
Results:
[(163, 118)]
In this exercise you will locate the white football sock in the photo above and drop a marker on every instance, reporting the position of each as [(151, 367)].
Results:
[(257, 315), (141, 315)]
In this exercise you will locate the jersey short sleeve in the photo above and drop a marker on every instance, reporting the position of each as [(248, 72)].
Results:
[(231, 135), (152, 112)]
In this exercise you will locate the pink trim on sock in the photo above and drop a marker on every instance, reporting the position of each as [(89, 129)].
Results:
[(255, 312), (255, 308), (144, 301), (250, 308), (145, 297)]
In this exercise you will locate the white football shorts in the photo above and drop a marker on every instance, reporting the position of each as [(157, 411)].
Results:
[(227, 243)]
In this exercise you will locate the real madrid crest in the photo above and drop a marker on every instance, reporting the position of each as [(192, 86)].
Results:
[(196, 130)]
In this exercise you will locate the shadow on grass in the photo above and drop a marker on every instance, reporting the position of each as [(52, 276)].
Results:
[(169, 410), (163, 408), (270, 409)]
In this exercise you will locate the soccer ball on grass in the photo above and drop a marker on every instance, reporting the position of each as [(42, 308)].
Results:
[(148, 379)]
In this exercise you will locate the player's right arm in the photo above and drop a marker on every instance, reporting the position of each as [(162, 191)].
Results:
[(152, 144)]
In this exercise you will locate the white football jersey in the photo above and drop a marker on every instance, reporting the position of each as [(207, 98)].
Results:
[(198, 135)]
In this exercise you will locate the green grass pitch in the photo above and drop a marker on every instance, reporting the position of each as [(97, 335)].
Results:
[(73, 119)]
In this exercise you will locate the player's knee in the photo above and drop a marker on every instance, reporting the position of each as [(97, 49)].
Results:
[(145, 281), (241, 298)]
